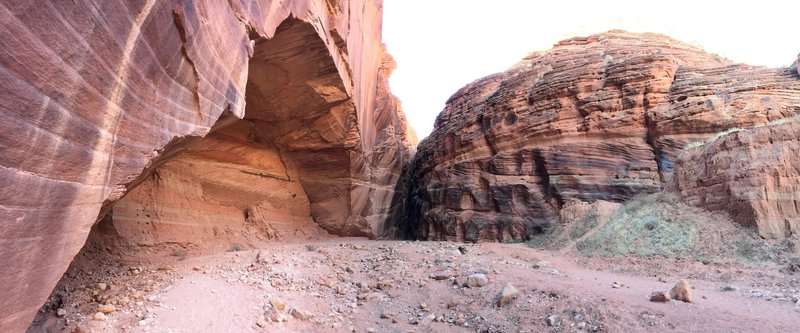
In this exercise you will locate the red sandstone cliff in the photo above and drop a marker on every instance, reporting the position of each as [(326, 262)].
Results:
[(221, 112), (607, 117)]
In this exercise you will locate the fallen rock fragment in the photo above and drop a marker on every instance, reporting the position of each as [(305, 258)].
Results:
[(660, 296), (300, 314), (553, 320), (99, 316), (508, 294), (277, 303), (682, 291), (476, 280), (106, 308)]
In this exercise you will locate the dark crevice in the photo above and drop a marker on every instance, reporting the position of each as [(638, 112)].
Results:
[(540, 168), (178, 20)]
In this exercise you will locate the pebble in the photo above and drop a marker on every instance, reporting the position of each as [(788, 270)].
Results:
[(443, 275), (101, 286), (277, 303), (508, 294), (542, 264), (300, 314), (660, 296), (553, 320), (61, 312), (106, 308), (729, 287), (477, 280), (427, 320), (99, 316)]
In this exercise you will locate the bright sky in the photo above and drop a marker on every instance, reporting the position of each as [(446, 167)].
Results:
[(441, 45)]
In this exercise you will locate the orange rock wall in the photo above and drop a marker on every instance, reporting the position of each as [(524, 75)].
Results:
[(97, 95), (603, 117)]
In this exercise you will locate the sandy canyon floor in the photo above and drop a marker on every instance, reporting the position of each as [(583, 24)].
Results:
[(357, 285)]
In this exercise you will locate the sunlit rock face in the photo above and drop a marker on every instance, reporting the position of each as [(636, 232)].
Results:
[(603, 117), (176, 120)]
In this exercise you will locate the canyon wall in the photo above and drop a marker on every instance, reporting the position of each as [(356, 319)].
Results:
[(607, 117), (176, 120)]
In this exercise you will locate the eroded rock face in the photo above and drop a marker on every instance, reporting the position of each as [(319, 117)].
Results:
[(598, 118), (751, 173), (214, 112)]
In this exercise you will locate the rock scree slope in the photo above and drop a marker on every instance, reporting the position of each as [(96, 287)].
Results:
[(177, 121), (607, 117)]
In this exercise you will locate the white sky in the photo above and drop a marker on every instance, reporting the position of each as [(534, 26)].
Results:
[(441, 45)]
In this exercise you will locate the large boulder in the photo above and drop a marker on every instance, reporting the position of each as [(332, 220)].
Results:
[(204, 114), (603, 117)]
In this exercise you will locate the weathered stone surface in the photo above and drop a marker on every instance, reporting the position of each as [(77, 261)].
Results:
[(221, 112), (752, 173), (682, 291), (597, 118)]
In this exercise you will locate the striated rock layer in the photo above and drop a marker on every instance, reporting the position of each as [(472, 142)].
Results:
[(204, 115), (604, 117)]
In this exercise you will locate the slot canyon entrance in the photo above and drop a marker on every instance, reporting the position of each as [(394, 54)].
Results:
[(282, 172)]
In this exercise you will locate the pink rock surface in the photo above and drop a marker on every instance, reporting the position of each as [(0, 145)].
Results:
[(98, 94)]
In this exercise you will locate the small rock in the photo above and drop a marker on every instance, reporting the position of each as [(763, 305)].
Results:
[(423, 306), (300, 314), (682, 291), (508, 294), (729, 287), (61, 312), (197, 268), (277, 303), (276, 316), (443, 275), (477, 280), (617, 285), (427, 320), (261, 323), (370, 330), (660, 296), (312, 247), (454, 302), (106, 308), (542, 264), (553, 320), (99, 316), (165, 267), (101, 286)]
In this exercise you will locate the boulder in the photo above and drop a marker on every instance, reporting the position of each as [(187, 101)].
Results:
[(682, 291)]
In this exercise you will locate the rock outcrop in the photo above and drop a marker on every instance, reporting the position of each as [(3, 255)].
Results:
[(203, 115), (604, 117), (751, 173)]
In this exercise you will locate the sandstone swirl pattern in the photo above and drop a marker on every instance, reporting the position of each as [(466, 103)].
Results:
[(607, 117), (221, 112)]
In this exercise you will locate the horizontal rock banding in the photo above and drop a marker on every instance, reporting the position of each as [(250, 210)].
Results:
[(99, 94), (603, 117)]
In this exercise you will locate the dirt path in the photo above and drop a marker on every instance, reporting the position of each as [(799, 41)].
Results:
[(372, 286)]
